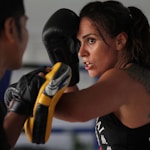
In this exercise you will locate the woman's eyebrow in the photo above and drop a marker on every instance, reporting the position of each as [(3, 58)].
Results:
[(85, 36)]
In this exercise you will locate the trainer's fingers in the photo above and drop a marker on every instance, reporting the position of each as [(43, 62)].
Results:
[(41, 74), (48, 69)]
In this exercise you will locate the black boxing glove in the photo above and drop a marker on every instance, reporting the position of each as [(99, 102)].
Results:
[(59, 38), (21, 96)]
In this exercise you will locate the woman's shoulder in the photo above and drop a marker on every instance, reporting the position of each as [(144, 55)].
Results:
[(133, 71), (114, 74), (118, 78), (130, 77)]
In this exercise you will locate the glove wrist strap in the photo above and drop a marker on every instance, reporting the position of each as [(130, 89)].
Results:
[(20, 107)]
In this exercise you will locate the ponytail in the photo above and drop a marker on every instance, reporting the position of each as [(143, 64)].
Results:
[(140, 37)]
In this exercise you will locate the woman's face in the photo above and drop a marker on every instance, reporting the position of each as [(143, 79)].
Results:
[(97, 56)]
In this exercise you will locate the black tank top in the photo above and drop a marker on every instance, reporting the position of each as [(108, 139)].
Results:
[(113, 135)]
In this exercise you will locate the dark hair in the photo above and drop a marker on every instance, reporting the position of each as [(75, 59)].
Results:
[(115, 18), (11, 8)]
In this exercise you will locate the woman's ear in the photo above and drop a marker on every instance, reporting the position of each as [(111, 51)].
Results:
[(121, 40), (10, 30)]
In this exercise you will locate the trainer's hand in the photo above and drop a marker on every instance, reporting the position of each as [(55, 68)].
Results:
[(21, 96), (59, 38)]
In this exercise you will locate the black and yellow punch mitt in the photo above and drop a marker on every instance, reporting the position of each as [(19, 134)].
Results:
[(38, 127)]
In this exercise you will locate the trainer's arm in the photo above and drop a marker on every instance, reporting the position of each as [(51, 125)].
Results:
[(13, 124), (19, 99)]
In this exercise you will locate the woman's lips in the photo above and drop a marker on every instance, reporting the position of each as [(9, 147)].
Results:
[(87, 65)]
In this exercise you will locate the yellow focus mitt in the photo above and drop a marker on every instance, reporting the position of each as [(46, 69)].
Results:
[(38, 127)]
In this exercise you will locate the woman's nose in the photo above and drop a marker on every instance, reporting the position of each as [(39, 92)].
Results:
[(82, 51)]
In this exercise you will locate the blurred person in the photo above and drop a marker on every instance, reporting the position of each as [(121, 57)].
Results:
[(13, 41)]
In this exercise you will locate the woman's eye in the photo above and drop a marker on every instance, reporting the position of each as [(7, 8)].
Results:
[(91, 41)]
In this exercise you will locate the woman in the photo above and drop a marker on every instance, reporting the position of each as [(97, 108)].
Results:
[(115, 46)]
